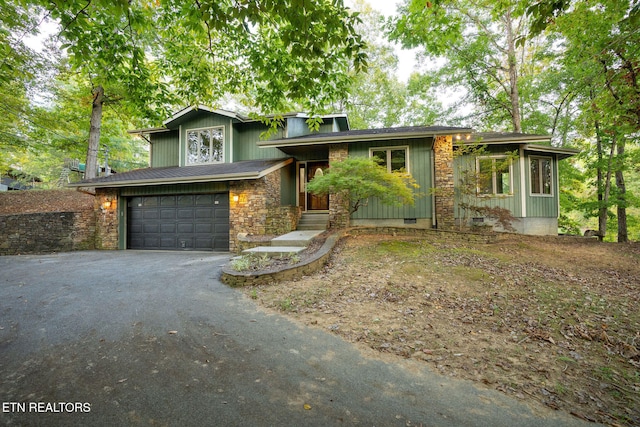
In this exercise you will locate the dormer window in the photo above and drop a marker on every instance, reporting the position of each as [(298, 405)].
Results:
[(205, 146)]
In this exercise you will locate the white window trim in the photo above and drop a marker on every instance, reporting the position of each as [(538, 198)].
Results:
[(493, 177), (388, 149), (552, 194), (186, 145)]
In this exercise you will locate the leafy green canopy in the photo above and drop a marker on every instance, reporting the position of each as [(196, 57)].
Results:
[(357, 179), (160, 52)]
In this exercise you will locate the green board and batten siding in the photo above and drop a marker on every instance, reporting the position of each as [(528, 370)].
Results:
[(164, 149), (513, 202), (245, 147), (536, 206), (420, 165), (539, 206)]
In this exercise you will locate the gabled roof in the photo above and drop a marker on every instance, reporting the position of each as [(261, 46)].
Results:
[(187, 110), (171, 121), (365, 135), (251, 169)]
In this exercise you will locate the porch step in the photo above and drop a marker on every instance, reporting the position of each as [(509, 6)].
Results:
[(296, 238), (313, 221), (274, 251)]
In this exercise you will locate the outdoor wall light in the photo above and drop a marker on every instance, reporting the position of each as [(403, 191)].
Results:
[(236, 198), (106, 204)]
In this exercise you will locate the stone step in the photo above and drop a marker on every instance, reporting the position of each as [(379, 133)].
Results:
[(274, 251), (313, 221), (296, 238)]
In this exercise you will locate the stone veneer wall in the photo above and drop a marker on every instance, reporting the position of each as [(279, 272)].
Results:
[(444, 182), (258, 211), (107, 219), (338, 205), (45, 221), (47, 232)]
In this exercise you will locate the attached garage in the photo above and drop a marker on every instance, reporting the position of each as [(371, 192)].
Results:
[(189, 208), (179, 222)]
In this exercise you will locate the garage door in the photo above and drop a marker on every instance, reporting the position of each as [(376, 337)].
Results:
[(179, 222)]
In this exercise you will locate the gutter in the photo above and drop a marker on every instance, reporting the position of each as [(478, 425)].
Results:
[(357, 138), (186, 180)]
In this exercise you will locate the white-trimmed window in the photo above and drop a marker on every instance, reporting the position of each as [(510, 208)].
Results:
[(495, 175), (395, 159), (205, 146), (541, 176)]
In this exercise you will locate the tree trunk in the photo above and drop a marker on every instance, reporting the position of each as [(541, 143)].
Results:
[(622, 196), (513, 75), (94, 133), (604, 188)]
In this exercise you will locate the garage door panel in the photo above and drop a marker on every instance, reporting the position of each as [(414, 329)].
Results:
[(168, 228), (204, 199), (149, 202), (151, 227), (167, 213), (150, 214), (151, 241), (184, 213), (168, 242), (186, 228), (179, 222), (221, 214), (204, 213), (204, 228), (168, 201), (185, 200), (202, 243)]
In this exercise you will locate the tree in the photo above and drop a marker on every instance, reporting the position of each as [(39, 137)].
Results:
[(602, 58), (19, 68), (377, 97), (357, 179), (478, 41), (155, 55)]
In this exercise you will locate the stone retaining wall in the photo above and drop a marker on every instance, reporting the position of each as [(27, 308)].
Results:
[(47, 232), (311, 265)]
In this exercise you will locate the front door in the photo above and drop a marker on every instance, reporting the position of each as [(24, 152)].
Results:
[(306, 172)]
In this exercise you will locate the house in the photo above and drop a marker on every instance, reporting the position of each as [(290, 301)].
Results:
[(212, 179), (14, 180)]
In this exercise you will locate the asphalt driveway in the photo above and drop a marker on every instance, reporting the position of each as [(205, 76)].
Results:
[(153, 338)]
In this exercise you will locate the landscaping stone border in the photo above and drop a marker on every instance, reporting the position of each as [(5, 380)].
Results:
[(310, 265), (316, 261)]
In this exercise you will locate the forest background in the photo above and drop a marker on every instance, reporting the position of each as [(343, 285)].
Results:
[(567, 68)]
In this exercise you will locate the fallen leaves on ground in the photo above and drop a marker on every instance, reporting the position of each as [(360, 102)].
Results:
[(549, 319)]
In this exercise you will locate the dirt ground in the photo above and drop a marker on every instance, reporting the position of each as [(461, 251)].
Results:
[(548, 320), (36, 201)]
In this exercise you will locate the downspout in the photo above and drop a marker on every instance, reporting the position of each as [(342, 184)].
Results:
[(180, 148), (523, 184), (434, 220), (556, 165), (230, 141)]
